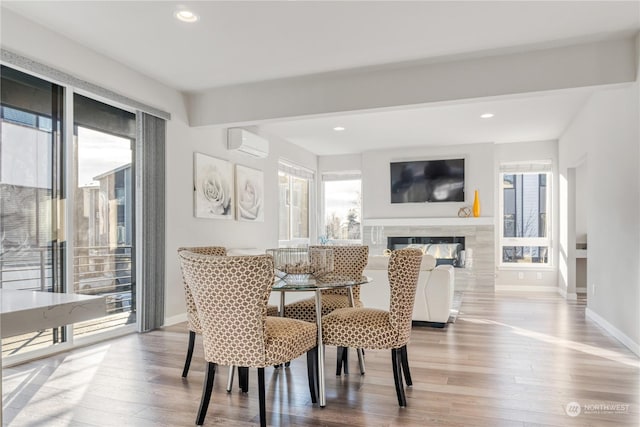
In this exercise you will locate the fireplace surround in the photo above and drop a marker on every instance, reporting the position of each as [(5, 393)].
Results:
[(479, 270)]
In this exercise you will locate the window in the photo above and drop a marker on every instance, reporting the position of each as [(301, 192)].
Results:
[(342, 208), (525, 221), (294, 185)]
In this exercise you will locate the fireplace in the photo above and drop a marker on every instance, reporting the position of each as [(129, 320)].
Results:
[(446, 250)]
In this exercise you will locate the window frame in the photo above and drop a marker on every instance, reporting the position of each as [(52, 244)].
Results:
[(294, 171), (338, 176), (526, 168)]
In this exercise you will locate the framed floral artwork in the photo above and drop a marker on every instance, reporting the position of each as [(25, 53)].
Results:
[(249, 194), (213, 187)]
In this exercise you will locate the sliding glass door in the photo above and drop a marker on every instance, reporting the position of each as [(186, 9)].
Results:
[(31, 254), (103, 255), (66, 203)]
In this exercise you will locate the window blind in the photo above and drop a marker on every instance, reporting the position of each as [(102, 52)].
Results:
[(294, 170), (341, 176), (529, 166)]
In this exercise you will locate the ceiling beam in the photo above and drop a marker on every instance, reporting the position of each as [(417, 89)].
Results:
[(412, 84)]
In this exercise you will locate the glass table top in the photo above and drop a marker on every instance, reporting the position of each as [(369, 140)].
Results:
[(303, 282)]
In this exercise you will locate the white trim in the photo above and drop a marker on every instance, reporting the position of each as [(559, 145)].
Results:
[(581, 290), (612, 330), (341, 176), (404, 222), (295, 170), (174, 320), (525, 241), (535, 266), (97, 338), (568, 296), (526, 288)]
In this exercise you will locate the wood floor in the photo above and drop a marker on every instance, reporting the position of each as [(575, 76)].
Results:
[(509, 360)]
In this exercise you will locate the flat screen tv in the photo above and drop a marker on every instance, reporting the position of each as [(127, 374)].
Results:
[(427, 181)]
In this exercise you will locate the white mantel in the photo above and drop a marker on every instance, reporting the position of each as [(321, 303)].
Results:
[(426, 221)]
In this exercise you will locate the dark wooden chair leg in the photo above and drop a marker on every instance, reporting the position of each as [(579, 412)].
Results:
[(230, 379), (339, 360), (206, 392), (345, 361), (187, 362), (243, 378), (312, 373), (405, 366), (396, 361), (261, 398)]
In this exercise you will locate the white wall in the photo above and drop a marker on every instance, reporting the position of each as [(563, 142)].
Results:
[(582, 212), (479, 165), (607, 132), (182, 228), (340, 163)]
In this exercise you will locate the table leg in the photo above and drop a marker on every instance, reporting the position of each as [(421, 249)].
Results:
[(321, 400), (282, 303)]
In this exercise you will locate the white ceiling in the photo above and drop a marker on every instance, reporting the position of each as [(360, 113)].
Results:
[(532, 118), (238, 42)]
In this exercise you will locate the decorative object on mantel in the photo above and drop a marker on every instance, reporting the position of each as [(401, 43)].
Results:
[(476, 205), (464, 212)]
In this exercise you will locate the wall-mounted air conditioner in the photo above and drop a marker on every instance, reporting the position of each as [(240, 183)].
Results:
[(247, 142)]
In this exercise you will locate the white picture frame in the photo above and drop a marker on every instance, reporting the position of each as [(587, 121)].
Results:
[(212, 187), (249, 194)]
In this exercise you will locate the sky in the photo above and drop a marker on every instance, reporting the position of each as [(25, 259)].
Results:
[(99, 153)]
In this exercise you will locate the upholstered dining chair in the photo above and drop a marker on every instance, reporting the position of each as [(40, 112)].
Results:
[(348, 261), (371, 328), (192, 314), (230, 295)]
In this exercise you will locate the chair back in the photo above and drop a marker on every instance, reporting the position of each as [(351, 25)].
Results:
[(230, 294), (404, 270), (192, 314), (348, 261)]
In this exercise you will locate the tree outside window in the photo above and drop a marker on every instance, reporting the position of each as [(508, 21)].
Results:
[(342, 210)]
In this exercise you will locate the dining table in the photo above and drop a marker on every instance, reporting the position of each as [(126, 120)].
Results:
[(310, 283)]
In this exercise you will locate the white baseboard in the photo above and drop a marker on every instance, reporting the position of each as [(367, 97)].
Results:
[(174, 320), (613, 331), (581, 290), (566, 295), (526, 288)]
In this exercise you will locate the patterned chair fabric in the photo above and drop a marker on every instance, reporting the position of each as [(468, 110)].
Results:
[(371, 328), (349, 261), (230, 295), (192, 314)]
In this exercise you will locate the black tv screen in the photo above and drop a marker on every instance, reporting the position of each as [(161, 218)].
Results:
[(427, 181)]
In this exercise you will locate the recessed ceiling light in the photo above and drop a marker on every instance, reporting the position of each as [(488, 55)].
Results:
[(186, 16), (486, 115), (338, 128)]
